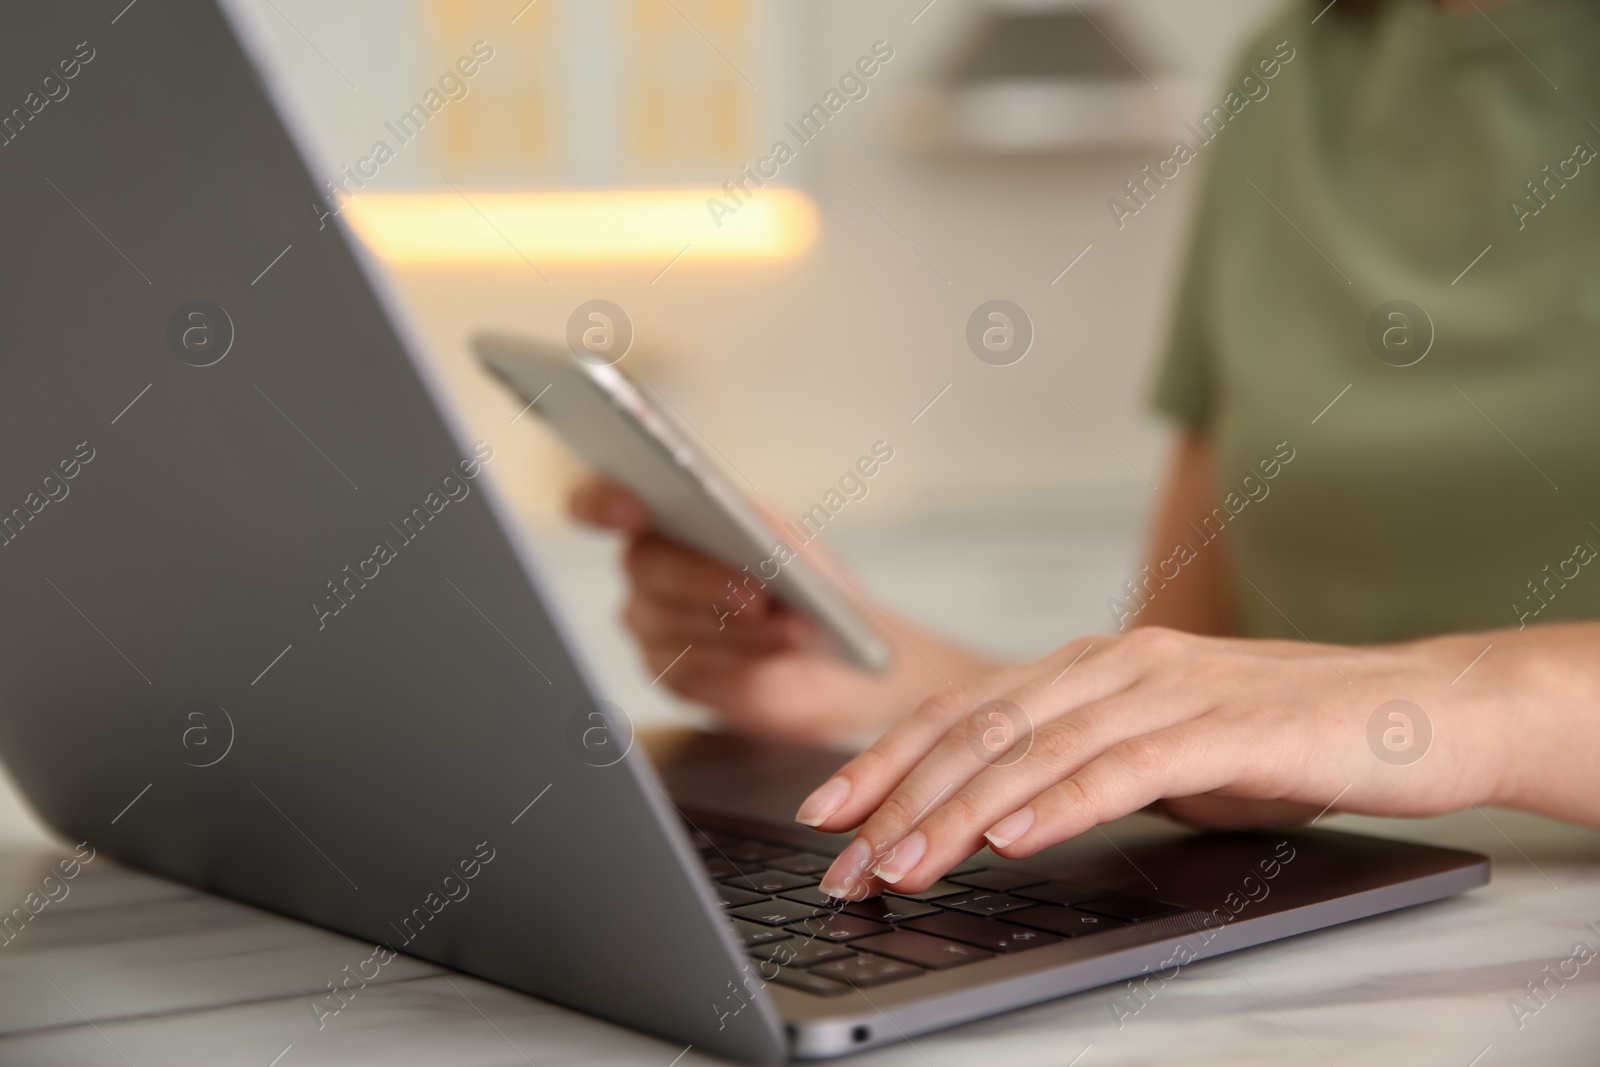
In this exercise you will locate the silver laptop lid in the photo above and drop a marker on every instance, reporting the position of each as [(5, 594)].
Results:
[(265, 631)]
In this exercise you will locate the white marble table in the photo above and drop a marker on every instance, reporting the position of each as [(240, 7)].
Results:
[(131, 969)]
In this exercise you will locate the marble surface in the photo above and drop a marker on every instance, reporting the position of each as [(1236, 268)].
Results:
[(126, 968), (129, 969)]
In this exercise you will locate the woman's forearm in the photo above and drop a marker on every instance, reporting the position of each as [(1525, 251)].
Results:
[(1200, 599), (1542, 685)]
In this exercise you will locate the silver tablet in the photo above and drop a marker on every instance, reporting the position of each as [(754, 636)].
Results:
[(606, 419)]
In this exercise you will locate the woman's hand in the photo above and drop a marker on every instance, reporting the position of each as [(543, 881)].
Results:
[(726, 643), (1224, 731)]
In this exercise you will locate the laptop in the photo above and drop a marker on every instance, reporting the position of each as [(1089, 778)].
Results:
[(270, 632)]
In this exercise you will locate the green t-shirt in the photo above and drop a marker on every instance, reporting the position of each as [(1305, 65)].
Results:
[(1388, 155)]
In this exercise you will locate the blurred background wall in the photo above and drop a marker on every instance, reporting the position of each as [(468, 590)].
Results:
[(792, 365), (977, 165)]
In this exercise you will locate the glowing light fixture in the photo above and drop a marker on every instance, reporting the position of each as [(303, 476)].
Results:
[(653, 225)]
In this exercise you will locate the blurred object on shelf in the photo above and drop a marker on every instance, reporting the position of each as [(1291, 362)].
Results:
[(1042, 77)]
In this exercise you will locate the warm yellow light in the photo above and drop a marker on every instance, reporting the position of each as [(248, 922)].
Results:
[(653, 225)]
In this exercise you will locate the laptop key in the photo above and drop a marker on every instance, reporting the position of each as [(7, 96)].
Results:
[(1058, 893), (990, 934), (753, 935), (767, 882), (733, 898), (710, 841), (924, 950), (800, 952), (935, 891), (774, 912), (965, 868), (754, 852), (808, 982), (815, 897), (837, 928), (801, 863), (986, 903), (863, 970), (1068, 922), (999, 881), (1129, 909), (718, 868), (889, 909)]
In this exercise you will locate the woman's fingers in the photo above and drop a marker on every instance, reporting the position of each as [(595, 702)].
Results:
[(857, 788), (659, 568), (1183, 760), (666, 571), (1084, 670), (1047, 729), (679, 594), (954, 827), (915, 768), (606, 504), (672, 626)]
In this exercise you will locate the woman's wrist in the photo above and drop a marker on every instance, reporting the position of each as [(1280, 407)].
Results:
[(1526, 702)]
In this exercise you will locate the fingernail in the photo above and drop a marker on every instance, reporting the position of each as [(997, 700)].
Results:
[(847, 870), (1010, 828), (828, 798), (902, 858)]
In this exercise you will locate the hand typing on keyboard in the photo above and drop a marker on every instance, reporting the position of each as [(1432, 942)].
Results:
[(1222, 732)]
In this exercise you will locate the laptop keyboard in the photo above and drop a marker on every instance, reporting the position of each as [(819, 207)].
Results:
[(827, 947)]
